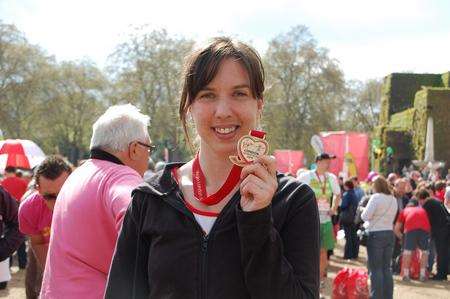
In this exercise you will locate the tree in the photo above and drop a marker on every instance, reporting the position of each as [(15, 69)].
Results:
[(23, 69), (305, 89), (75, 102), (362, 106), (146, 71)]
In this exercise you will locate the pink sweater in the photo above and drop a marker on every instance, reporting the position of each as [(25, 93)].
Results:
[(86, 220)]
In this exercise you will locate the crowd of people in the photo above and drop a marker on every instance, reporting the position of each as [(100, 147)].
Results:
[(395, 218), (112, 228)]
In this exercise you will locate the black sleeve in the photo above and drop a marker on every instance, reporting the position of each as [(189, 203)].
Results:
[(128, 274), (12, 238), (282, 265)]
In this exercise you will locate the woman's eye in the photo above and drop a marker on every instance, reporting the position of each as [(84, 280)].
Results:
[(207, 96), (240, 93)]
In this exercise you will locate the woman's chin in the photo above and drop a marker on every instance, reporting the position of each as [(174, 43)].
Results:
[(223, 150)]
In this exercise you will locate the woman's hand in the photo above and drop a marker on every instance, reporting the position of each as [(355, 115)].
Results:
[(258, 184)]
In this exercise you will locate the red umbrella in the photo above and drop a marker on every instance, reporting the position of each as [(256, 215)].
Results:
[(20, 153)]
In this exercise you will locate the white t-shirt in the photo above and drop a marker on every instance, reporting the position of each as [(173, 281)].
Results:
[(206, 222), (332, 188)]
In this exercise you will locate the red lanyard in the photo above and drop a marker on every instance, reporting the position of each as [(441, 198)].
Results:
[(324, 185), (199, 184), (199, 181)]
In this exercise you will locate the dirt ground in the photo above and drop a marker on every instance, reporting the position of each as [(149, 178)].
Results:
[(409, 290), (16, 286)]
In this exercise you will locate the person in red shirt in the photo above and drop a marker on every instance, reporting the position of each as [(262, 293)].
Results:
[(416, 226), (35, 217), (15, 186)]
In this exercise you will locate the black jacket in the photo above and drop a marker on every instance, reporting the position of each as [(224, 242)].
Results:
[(11, 238), (162, 252), (438, 216)]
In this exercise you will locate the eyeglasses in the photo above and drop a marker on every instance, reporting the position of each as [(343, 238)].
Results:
[(150, 147), (50, 196)]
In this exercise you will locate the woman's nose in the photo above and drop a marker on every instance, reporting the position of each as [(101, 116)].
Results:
[(223, 108)]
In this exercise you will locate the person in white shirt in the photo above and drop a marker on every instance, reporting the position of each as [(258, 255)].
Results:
[(380, 213)]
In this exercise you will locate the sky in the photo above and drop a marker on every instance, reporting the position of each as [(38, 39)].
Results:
[(370, 39)]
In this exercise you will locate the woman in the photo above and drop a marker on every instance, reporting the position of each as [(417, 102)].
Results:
[(206, 228), (380, 214), (347, 219)]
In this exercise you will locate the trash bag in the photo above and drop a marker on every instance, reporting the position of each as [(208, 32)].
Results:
[(357, 286), (351, 284), (414, 267), (339, 284)]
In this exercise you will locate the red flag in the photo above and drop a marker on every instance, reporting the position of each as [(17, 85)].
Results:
[(289, 161)]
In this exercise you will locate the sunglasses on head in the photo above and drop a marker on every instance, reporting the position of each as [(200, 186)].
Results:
[(50, 196)]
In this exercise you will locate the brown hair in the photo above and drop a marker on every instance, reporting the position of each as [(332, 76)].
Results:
[(349, 184), (381, 185), (439, 185), (202, 66), (422, 194), (51, 168)]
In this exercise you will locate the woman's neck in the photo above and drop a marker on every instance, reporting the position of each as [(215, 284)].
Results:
[(215, 167)]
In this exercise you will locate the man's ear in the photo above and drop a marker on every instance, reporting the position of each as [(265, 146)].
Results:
[(133, 152)]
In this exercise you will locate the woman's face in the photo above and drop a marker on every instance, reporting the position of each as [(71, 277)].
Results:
[(225, 109)]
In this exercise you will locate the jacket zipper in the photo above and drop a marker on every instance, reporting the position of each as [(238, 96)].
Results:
[(204, 238), (203, 269)]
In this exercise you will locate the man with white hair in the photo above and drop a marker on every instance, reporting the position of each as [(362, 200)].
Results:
[(91, 204)]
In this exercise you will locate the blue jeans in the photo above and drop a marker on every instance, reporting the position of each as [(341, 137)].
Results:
[(380, 246)]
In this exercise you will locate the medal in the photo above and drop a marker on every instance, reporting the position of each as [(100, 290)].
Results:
[(322, 200), (250, 147), (324, 185)]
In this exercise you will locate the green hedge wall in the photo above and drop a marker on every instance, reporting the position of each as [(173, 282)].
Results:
[(446, 79), (434, 102), (406, 103), (399, 90), (404, 119)]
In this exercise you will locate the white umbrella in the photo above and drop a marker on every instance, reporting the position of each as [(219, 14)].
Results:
[(20, 153)]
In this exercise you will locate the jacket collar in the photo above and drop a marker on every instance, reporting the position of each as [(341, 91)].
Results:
[(162, 182), (100, 154)]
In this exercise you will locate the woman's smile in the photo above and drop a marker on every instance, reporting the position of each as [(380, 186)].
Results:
[(225, 132)]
